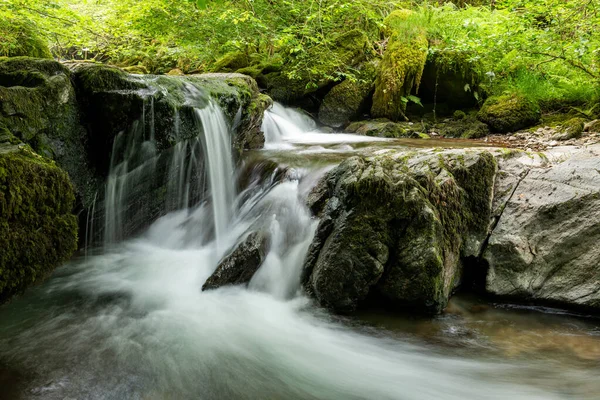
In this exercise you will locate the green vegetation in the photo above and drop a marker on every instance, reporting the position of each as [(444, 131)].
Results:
[(546, 50)]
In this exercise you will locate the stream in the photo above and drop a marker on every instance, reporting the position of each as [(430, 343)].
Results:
[(128, 319)]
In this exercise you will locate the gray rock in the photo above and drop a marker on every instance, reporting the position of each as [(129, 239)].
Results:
[(239, 266), (545, 243)]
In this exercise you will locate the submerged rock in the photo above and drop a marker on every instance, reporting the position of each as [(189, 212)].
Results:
[(37, 229), (509, 113), (395, 226), (239, 266), (545, 244)]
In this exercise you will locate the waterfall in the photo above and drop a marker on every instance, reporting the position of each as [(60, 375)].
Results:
[(217, 150), (144, 184)]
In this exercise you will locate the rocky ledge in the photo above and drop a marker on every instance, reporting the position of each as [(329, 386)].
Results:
[(408, 228)]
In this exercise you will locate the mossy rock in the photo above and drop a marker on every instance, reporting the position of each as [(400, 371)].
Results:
[(231, 62), (19, 38), (393, 228), (400, 71), (466, 127), (345, 102), (38, 105), (570, 129), (37, 229), (384, 128), (509, 113)]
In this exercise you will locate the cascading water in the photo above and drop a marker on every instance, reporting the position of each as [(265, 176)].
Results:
[(132, 322)]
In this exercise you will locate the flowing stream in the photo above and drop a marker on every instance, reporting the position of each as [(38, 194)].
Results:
[(129, 321)]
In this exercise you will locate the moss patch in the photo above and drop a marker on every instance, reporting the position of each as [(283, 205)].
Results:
[(509, 113), (401, 68), (37, 229)]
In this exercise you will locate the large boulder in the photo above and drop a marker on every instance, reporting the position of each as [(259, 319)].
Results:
[(38, 105), (345, 102), (238, 267), (37, 229), (509, 113), (545, 244), (395, 226)]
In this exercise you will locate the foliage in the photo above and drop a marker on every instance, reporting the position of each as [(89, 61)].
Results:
[(548, 50)]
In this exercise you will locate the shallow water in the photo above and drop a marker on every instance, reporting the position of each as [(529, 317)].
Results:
[(129, 321)]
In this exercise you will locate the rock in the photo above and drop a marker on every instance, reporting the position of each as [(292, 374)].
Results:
[(394, 226), (465, 128), (345, 102), (545, 244), (231, 62), (38, 105), (382, 127), (239, 266), (571, 129), (400, 70), (509, 113), (592, 126), (37, 229)]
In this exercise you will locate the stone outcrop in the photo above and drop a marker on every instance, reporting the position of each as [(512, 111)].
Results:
[(395, 226), (545, 244)]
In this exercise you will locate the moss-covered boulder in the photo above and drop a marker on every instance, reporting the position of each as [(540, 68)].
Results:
[(348, 100), (462, 126), (384, 128), (231, 62), (20, 38), (38, 104), (400, 71), (509, 113), (394, 227), (570, 129), (37, 229)]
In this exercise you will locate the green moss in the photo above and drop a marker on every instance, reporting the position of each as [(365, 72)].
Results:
[(401, 68), (458, 115), (570, 129), (231, 62), (37, 229), (345, 102), (322, 65), (99, 77), (509, 113)]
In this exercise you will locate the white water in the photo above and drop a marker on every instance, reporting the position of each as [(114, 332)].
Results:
[(132, 323), (286, 127)]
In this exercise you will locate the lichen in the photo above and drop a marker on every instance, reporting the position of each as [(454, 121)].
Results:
[(37, 229)]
